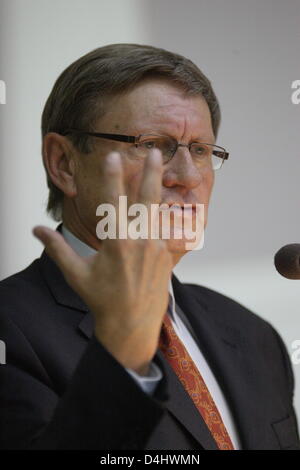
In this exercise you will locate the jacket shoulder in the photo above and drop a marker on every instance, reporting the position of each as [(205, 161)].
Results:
[(226, 309), (255, 330), (22, 289)]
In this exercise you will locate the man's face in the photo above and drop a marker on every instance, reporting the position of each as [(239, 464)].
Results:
[(153, 106)]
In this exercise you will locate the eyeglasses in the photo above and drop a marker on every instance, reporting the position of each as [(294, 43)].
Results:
[(205, 155)]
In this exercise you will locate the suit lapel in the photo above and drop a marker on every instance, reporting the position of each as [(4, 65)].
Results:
[(182, 407), (59, 288), (225, 348), (178, 402)]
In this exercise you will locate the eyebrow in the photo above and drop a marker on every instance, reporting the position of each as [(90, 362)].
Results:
[(168, 134)]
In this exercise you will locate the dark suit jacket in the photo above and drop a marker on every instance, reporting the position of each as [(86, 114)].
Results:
[(61, 389)]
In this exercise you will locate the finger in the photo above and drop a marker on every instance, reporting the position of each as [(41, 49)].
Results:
[(113, 183), (150, 189), (69, 262)]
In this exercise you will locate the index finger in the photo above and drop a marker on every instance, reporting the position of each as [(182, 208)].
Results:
[(113, 182), (150, 188)]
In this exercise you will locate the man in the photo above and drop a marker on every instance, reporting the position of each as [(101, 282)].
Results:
[(98, 355)]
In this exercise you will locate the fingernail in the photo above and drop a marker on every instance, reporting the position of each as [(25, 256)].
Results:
[(113, 158), (156, 154)]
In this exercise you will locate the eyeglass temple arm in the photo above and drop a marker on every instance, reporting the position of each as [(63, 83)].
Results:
[(223, 155), (119, 137)]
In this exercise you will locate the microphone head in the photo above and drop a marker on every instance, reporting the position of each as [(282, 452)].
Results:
[(287, 261)]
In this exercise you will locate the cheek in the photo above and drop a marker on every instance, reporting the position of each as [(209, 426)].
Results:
[(204, 191), (210, 184), (90, 190), (205, 188), (208, 190)]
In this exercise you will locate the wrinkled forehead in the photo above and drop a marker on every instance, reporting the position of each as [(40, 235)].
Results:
[(158, 105)]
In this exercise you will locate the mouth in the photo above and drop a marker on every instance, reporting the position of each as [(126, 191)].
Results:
[(185, 208)]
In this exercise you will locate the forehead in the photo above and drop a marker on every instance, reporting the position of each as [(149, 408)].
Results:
[(158, 105)]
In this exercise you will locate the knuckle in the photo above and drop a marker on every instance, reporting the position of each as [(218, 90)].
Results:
[(121, 245), (150, 244), (163, 252), (156, 247)]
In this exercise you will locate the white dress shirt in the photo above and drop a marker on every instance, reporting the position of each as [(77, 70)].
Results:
[(184, 331)]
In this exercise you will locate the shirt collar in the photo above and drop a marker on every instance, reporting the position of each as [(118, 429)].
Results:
[(82, 249), (171, 299)]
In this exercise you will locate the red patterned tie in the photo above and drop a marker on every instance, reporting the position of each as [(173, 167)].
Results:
[(183, 365)]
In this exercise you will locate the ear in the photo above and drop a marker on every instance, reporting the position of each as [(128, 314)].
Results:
[(59, 160)]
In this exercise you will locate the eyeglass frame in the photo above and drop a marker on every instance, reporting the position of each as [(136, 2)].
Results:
[(130, 139)]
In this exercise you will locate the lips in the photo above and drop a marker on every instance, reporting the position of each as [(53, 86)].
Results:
[(184, 207), (180, 204), (179, 212)]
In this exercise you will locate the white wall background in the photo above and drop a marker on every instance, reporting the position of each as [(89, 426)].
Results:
[(250, 50)]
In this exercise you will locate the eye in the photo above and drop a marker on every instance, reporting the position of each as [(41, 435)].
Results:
[(199, 149), (149, 144), (165, 144)]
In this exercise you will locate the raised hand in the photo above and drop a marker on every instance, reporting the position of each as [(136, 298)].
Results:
[(125, 284)]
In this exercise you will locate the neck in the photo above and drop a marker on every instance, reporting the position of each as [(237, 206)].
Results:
[(73, 222)]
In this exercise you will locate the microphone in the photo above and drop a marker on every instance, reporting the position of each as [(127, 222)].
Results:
[(287, 261)]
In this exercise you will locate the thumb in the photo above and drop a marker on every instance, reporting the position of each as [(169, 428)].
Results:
[(69, 262)]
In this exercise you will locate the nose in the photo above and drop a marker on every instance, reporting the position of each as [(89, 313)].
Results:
[(181, 170)]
